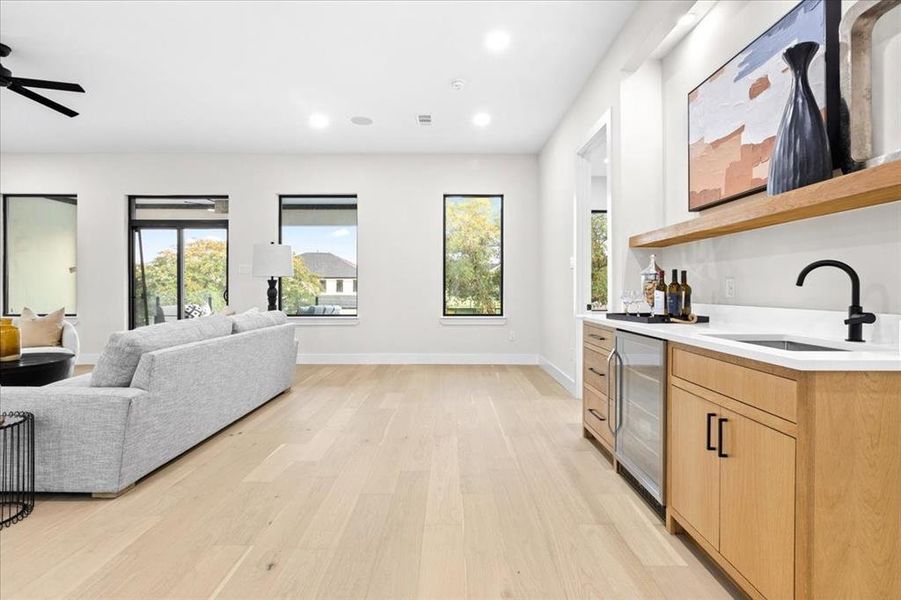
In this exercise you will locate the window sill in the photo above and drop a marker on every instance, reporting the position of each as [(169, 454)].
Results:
[(473, 321), (339, 321)]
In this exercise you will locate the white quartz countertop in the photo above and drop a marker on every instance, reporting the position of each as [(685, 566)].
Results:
[(865, 356)]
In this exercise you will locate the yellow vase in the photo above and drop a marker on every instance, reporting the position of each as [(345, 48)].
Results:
[(10, 341)]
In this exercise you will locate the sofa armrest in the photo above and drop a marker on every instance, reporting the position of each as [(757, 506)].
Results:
[(79, 434), (70, 339)]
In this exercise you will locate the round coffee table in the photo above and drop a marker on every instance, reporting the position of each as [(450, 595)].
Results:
[(36, 368)]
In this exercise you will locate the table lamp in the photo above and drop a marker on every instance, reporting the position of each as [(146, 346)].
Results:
[(272, 260)]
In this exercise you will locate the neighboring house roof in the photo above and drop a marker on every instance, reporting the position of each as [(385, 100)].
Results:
[(329, 266)]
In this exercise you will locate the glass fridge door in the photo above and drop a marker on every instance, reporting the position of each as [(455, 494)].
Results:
[(642, 402)]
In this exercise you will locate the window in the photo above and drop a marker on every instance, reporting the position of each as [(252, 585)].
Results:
[(178, 254), (39, 249), (473, 255), (322, 232), (599, 260)]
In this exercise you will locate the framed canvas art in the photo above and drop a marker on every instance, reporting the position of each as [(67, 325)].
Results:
[(734, 115)]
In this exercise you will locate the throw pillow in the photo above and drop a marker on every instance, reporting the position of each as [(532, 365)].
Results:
[(255, 319), (41, 331), (119, 359)]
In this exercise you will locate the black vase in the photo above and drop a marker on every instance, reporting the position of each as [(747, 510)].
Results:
[(801, 155)]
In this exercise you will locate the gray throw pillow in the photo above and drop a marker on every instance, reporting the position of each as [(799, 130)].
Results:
[(251, 320), (116, 365)]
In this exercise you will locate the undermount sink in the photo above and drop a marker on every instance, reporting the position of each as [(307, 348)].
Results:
[(780, 343)]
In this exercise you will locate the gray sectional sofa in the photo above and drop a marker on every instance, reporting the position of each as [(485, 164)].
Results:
[(155, 392)]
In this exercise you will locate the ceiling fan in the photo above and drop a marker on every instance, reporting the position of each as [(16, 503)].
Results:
[(20, 85)]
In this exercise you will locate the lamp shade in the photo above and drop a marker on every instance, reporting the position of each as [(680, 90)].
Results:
[(272, 260)]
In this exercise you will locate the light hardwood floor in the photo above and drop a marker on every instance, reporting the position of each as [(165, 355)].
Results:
[(370, 481)]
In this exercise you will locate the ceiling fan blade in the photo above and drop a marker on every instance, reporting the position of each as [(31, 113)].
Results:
[(48, 85), (40, 99)]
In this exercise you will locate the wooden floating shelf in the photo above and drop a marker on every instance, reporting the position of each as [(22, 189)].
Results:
[(877, 185)]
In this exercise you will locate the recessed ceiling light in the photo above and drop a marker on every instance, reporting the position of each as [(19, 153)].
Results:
[(497, 40), (481, 119), (319, 121), (361, 120), (458, 84), (687, 19)]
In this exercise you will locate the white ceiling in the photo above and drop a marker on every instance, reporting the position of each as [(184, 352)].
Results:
[(245, 76)]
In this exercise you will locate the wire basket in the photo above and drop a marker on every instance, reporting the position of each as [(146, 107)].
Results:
[(16, 467)]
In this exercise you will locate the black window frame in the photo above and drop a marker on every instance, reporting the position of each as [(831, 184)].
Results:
[(325, 206), (444, 257), (179, 225), (4, 216)]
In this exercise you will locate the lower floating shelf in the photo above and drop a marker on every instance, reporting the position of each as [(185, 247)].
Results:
[(877, 185)]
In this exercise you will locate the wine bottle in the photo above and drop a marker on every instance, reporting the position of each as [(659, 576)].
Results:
[(686, 296), (674, 296), (660, 297)]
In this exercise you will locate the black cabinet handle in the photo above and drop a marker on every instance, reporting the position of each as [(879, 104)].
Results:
[(596, 336), (597, 415), (719, 434), (596, 372), (710, 417)]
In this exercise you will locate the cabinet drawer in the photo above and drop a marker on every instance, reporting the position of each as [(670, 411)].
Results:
[(771, 393), (594, 368), (597, 336), (595, 414)]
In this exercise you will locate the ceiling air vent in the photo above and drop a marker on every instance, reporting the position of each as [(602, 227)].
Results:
[(424, 119)]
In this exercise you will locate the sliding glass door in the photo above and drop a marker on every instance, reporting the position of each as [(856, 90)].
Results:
[(179, 266)]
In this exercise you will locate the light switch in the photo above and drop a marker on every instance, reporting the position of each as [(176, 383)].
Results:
[(244, 269)]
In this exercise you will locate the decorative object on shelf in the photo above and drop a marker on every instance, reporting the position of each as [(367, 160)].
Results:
[(801, 155), (855, 53), (734, 115), (10, 341), (16, 467), (272, 260)]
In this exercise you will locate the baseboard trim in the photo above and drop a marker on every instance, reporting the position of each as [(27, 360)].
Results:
[(568, 383), (417, 359)]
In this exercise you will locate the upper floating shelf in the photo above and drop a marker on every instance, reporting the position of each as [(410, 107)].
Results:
[(877, 185)]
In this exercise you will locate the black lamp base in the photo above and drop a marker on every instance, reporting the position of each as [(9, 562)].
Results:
[(272, 294)]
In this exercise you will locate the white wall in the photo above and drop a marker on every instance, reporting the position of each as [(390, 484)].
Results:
[(624, 85), (399, 244), (648, 159), (765, 263)]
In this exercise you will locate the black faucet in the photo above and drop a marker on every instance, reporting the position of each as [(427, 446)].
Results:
[(856, 316)]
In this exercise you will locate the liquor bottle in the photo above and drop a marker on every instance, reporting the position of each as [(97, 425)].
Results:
[(660, 297), (674, 296), (649, 278), (686, 296)]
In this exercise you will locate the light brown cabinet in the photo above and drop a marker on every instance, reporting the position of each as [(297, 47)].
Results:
[(790, 481), (732, 479), (596, 409), (757, 503), (694, 469)]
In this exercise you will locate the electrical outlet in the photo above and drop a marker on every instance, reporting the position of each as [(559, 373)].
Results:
[(572, 262), (512, 335), (730, 287)]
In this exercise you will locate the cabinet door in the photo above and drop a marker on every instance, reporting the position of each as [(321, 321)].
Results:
[(695, 476), (757, 504)]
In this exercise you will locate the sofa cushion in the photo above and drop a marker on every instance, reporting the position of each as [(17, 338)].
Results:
[(119, 359), (41, 331), (254, 319)]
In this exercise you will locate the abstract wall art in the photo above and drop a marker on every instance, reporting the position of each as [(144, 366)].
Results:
[(734, 115)]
